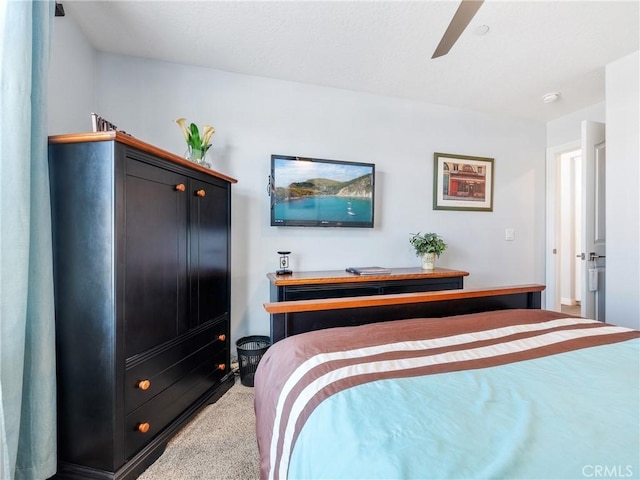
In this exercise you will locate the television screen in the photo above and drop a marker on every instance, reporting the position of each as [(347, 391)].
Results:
[(311, 192)]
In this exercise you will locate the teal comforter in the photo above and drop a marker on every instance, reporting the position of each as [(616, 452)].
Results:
[(558, 398)]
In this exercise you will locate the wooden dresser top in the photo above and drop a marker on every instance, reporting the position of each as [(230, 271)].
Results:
[(342, 276)]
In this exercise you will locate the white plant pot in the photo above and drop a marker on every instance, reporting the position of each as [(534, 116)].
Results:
[(428, 261)]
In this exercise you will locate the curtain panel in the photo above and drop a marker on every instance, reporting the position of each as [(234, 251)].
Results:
[(27, 329)]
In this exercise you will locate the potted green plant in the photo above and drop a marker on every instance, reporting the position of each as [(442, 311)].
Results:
[(197, 142), (428, 246)]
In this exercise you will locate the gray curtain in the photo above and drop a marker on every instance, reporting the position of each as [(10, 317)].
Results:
[(27, 330)]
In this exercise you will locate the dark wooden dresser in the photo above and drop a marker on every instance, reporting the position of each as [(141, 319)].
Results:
[(142, 290), (340, 284)]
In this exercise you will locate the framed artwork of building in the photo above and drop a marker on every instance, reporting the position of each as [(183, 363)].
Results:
[(461, 182)]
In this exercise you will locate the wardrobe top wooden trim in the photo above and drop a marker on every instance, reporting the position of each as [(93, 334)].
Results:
[(139, 144)]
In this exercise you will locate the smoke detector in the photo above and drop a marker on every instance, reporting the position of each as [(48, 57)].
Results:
[(550, 97)]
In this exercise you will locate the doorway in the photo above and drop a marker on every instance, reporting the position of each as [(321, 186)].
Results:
[(564, 196), (575, 258), (569, 166)]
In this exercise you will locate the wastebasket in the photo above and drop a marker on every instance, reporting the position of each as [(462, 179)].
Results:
[(250, 351)]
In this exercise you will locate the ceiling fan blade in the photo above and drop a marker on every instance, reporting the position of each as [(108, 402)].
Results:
[(461, 19)]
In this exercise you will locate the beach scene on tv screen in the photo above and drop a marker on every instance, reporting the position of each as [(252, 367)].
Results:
[(318, 191)]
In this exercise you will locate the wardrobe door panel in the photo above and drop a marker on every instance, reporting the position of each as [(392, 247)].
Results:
[(210, 227), (155, 305)]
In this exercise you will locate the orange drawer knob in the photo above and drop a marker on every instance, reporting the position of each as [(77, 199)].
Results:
[(201, 193), (144, 384), (180, 187), (222, 366), (222, 337), (143, 427)]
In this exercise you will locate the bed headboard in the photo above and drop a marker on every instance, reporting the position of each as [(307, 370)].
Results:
[(307, 315)]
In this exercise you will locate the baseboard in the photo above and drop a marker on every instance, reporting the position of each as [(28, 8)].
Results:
[(569, 301)]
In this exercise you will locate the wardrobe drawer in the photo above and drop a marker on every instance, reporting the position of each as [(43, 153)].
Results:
[(149, 419), (148, 378)]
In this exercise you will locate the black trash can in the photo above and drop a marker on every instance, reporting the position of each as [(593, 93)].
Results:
[(250, 351)]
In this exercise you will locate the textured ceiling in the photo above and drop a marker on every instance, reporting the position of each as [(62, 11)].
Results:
[(385, 47)]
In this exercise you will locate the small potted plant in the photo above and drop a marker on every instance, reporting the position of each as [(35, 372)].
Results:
[(428, 246)]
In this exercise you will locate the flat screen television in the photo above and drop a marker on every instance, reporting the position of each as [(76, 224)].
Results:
[(313, 192)]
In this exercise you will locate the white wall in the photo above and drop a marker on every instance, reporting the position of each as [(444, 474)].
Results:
[(71, 79), (564, 130), (622, 192), (256, 117)]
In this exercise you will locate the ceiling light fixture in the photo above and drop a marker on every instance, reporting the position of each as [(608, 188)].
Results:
[(550, 97)]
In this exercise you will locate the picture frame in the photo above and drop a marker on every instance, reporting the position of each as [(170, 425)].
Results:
[(462, 182)]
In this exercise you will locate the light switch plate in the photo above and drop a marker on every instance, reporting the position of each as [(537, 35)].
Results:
[(509, 234)]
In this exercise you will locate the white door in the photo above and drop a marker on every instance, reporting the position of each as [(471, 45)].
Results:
[(593, 220)]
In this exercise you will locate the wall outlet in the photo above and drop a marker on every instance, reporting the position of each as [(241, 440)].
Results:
[(509, 234)]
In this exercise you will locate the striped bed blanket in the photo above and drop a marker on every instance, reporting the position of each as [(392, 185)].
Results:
[(506, 394)]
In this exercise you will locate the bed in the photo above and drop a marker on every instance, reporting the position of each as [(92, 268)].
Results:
[(517, 393)]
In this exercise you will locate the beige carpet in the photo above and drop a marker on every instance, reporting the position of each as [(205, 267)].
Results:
[(219, 443)]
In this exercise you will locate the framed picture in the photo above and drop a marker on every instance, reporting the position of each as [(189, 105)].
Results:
[(461, 182)]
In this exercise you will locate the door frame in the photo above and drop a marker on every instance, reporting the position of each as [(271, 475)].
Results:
[(551, 299)]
